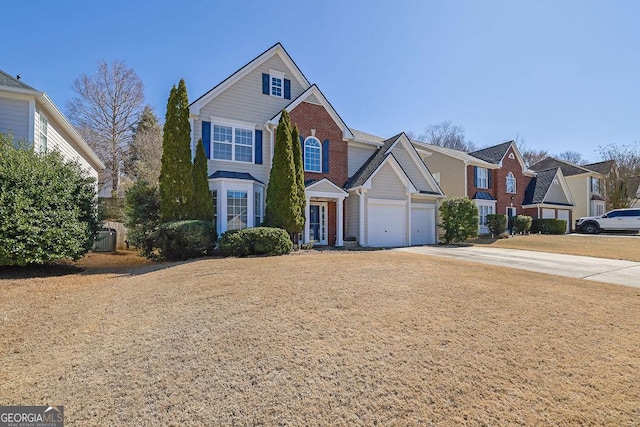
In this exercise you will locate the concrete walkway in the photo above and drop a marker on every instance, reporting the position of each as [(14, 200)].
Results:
[(613, 271)]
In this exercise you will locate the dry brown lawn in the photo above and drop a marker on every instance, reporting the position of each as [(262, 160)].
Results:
[(331, 338), (609, 246)]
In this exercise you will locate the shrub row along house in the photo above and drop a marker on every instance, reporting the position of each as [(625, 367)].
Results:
[(32, 117), (380, 192)]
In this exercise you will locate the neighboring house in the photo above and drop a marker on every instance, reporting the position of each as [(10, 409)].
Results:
[(378, 191), (586, 184), (548, 196), (30, 115), (498, 181)]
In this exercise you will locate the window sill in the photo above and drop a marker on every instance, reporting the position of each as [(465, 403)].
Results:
[(232, 161)]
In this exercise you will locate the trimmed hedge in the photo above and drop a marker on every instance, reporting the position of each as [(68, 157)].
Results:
[(182, 240), (256, 241), (521, 224), (549, 226), (497, 223)]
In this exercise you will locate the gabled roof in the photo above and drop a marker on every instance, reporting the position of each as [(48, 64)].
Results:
[(315, 91), (234, 175), (539, 186), (10, 81), (372, 164), (568, 169), (360, 136), (309, 184), (276, 49), (457, 154), (601, 167), (492, 154)]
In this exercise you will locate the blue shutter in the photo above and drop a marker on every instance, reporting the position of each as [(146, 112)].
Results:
[(206, 138), (325, 156), (489, 178), (258, 148), (302, 147), (475, 176), (265, 83), (287, 89)]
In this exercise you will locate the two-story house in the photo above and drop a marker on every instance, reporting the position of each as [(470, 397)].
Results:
[(378, 191), (31, 116), (498, 181), (586, 184)]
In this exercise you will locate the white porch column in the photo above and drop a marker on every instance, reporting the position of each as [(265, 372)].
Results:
[(339, 220), (306, 221)]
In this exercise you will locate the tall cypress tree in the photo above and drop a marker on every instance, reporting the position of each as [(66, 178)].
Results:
[(202, 198), (176, 180), (282, 207), (299, 168)]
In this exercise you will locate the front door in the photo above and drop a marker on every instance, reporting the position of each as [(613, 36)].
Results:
[(318, 223), (511, 212)]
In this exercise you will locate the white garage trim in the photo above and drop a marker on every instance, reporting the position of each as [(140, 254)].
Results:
[(387, 222)]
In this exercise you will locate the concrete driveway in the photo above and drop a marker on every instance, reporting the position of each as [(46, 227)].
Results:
[(613, 271)]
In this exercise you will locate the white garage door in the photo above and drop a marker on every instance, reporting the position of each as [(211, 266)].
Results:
[(565, 215), (423, 224), (548, 213), (387, 224)]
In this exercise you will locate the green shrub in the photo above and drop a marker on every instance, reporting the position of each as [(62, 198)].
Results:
[(521, 224), (497, 223), (47, 206), (459, 219), (549, 226), (111, 209), (182, 240), (142, 209), (256, 241)]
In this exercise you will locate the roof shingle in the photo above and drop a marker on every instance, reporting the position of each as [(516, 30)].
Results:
[(492, 154)]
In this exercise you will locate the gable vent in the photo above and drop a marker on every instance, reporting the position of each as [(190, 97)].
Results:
[(312, 99)]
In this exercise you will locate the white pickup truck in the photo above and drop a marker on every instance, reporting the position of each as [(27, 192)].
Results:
[(617, 219)]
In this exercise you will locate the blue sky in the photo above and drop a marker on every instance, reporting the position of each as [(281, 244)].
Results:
[(562, 75)]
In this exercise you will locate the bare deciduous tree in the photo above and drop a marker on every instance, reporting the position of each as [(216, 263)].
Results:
[(572, 157), (622, 184), (446, 134), (105, 108), (531, 156)]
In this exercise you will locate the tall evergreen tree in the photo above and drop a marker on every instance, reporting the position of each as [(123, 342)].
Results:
[(202, 198), (282, 207), (145, 153), (299, 168), (176, 179)]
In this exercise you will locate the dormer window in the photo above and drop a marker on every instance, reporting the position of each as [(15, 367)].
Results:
[(511, 183)]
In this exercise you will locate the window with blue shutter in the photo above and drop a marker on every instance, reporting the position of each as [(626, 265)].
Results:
[(287, 89), (489, 178), (312, 155), (475, 176), (325, 156), (265, 83), (206, 138), (258, 147)]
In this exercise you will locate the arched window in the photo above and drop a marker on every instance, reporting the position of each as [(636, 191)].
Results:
[(312, 155), (511, 183)]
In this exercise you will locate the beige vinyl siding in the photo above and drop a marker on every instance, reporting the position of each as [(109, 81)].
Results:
[(412, 170), (452, 173), (259, 172), (244, 100), (556, 194), (581, 193), (324, 186), (356, 156), (14, 117), (352, 206), (416, 200)]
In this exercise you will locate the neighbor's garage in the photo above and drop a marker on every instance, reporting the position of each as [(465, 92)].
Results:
[(423, 224), (387, 223), (563, 214), (558, 214)]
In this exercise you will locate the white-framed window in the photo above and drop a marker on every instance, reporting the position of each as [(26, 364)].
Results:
[(482, 178), (483, 211), (511, 183), (595, 185), (233, 143), (312, 155), (257, 208), (44, 127), (276, 83), (236, 210), (599, 209)]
